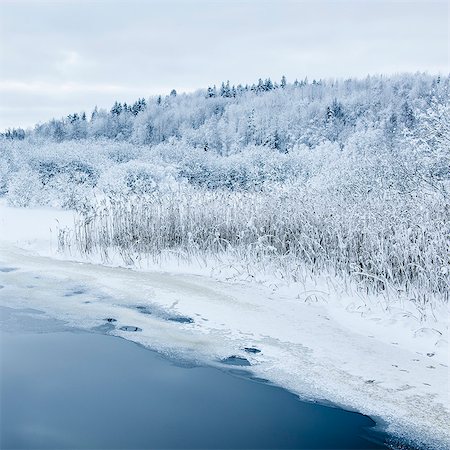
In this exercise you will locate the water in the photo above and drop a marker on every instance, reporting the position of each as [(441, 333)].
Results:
[(71, 389)]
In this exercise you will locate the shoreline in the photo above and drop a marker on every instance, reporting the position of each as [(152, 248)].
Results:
[(381, 364), (116, 292)]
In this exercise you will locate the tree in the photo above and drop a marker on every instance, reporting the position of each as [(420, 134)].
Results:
[(211, 92), (260, 86), (116, 110), (57, 130), (335, 120), (428, 147), (391, 126), (268, 85), (407, 115), (94, 113), (250, 134), (225, 90), (138, 106), (14, 133)]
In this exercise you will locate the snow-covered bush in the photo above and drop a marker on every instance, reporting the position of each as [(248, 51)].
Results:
[(136, 177), (26, 190)]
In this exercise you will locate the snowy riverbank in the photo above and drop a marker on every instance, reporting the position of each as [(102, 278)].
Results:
[(387, 364)]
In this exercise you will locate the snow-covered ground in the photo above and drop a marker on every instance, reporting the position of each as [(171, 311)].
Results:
[(387, 364)]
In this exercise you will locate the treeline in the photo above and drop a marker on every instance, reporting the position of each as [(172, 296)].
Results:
[(269, 114)]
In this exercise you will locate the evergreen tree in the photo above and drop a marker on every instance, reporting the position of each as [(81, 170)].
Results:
[(407, 115), (94, 113), (211, 92), (138, 106), (225, 90), (116, 109), (260, 86), (268, 85)]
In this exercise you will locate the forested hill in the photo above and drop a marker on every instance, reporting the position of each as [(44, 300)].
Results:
[(275, 115), (384, 134)]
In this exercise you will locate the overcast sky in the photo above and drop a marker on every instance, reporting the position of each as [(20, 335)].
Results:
[(62, 56)]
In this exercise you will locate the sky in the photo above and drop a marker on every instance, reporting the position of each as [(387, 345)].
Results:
[(63, 56)]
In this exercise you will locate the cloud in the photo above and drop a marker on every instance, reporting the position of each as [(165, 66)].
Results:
[(46, 88), (79, 54), (69, 61)]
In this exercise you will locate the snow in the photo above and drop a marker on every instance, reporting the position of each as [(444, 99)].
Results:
[(33, 228), (384, 363)]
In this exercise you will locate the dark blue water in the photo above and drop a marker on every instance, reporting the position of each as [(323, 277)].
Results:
[(84, 390)]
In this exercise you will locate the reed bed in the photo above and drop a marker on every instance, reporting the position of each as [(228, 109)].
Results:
[(388, 244)]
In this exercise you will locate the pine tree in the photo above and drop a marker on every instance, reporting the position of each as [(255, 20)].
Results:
[(210, 92), (138, 106), (116, 110), (94, 113), (260, 86), (268, 85), (225, 90), (407, 115)]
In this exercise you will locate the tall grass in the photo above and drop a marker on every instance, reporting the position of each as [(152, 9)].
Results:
[(387, 243)]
